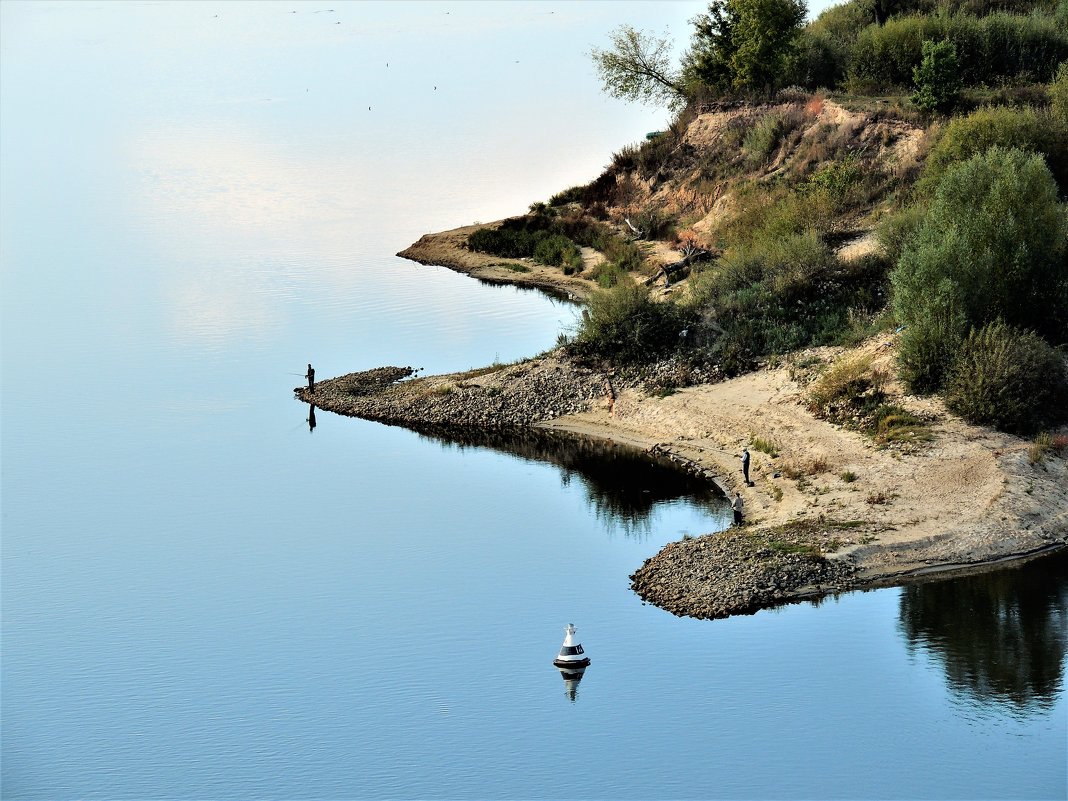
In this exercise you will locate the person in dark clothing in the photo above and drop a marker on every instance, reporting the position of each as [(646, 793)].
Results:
[(745, 467), (737, 505), (311, 379)]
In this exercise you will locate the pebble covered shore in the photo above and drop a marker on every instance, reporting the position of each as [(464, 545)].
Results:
[(735, 572), (507, 396)]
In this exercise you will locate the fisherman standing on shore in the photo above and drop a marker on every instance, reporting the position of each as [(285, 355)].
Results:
[(311, 379), (737, 505), (745, 467)]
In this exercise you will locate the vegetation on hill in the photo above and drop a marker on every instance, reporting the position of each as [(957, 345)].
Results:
[(936, 128)]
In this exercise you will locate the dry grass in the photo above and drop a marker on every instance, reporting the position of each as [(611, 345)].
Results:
[(800, 468)]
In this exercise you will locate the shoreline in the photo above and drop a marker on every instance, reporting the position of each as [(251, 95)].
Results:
[(449, 249), (864, 516)]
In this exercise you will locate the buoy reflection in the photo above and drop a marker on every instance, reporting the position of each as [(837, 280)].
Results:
[(571, 677)]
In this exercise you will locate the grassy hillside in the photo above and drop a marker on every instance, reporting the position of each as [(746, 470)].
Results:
[(820, 214)]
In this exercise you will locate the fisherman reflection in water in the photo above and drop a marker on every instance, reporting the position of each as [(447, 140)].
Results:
[(311, 417)]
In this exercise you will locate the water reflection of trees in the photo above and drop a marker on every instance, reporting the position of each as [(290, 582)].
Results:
[(1002, 636), (622, 484)]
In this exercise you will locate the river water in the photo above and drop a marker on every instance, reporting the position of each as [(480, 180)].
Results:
[(205, 598)]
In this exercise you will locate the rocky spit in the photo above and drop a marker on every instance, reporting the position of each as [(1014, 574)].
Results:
[(498, 397), (734, 572), (738, 571)]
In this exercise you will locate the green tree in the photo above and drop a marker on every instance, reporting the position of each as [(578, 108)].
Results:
[(937, 78), (638, 67), (744, 45), (991, 244)]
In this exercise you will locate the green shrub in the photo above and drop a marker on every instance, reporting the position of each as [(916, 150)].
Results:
[(897, 230), (1023, 129), (817, 61), (558, 251), (574, 194), (654, 223), (991, 244), (892, 424), (937, 77), (777, 294), (844, 382), (607, 274), (1008, 378), (990, 49), (926, 351), (624, 325), (764, 138), (504, 242), (837, 178), (883, 57), (763, 445), (763, 214), (547, 238)]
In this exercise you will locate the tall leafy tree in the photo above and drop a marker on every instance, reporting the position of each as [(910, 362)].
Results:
[(743, 45), (937, 77)]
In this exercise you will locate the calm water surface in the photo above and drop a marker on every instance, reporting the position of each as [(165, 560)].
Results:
[(204, 599)]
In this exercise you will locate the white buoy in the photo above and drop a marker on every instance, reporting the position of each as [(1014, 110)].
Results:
[(571, 653)]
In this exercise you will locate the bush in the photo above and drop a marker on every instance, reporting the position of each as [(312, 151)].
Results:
[(558, 251), (897, 230), (893, 424), (624, 325), (1024, 129), (926, 351), (780, 293), (991, 244), (1008, 378), (817, 61), (543, 237), (764, 138), (574, 194), (843, 383), (990, 49), (503, 242)]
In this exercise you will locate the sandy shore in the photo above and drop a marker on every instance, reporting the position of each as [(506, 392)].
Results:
[(969, 498), (449, 249), (868, 516)]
